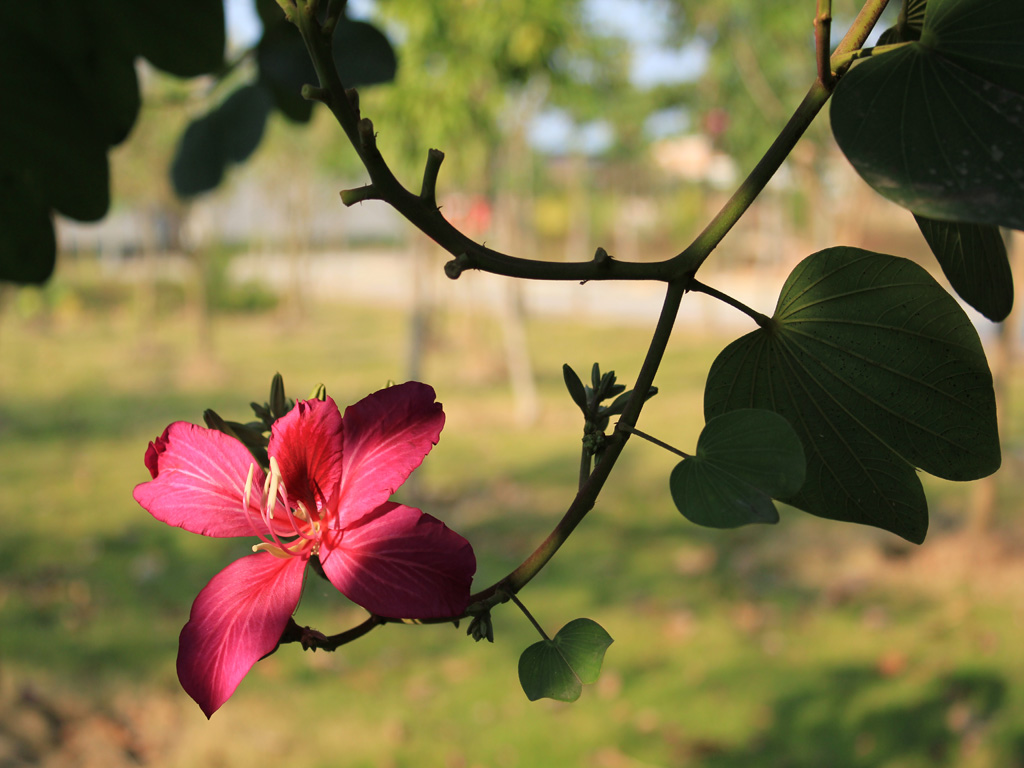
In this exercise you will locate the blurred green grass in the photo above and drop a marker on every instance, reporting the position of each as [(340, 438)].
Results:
[(805, 644)]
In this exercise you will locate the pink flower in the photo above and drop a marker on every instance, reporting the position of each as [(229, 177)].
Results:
[(327, 497)]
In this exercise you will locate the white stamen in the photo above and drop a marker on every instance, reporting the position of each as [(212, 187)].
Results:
[(248, 485)]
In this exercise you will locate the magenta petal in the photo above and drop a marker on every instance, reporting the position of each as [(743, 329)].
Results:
[(400, 563), (387, 434), (199, 482), (307, 445), (236, 620)]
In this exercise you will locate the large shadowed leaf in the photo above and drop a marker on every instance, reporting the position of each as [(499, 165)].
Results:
[(560, 667), (185, 38), (744, 459), (56, 143), (937, 125), (973, 259), (28, 250), (70, 92), (908, 25), (879, 371)]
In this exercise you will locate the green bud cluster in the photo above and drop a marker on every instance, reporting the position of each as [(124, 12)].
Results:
[(590, 400)]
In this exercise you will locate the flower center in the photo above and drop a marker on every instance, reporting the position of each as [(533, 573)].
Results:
[(303, 538)]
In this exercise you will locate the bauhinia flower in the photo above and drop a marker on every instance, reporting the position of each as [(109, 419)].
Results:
[(325, 497)]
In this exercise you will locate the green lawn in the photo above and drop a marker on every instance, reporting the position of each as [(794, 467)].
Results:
[(802, 645)]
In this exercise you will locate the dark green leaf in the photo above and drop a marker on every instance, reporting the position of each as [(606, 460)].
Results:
[(200, 158), (284, 68), (576, 389), (228, 134), (362, 54), (270, 12), (560, 667), (242, 118), (879, 370), (937, 125), (744, 459), (973, 258)]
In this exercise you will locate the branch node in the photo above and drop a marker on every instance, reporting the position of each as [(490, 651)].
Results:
[(353, 98), (454, 268), (428, 192), (360, 194), (602, 259), (315, 93), (366, 135)]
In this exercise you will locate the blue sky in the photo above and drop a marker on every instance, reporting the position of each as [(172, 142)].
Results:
[(642, 22)]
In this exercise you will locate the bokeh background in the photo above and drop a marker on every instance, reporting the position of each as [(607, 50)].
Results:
[(612, 123)]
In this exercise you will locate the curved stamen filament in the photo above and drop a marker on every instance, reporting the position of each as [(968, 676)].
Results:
[(269, 540)]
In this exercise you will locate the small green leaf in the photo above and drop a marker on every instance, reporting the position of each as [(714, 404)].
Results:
[(560, 667), (973, 259), (935, 125), (879, 371), (744, 459)]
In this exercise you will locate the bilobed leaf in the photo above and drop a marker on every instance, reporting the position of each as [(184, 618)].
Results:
[(284, 67), (200, 159), (973, 259), (908, 25), (362, 54), (744, 459), (560, 667), (878, 370), (242, 117), (228, 134), (937, 125)]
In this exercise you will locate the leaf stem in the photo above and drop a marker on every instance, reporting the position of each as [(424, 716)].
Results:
[(823, 42), (690, 259), (529, 615), (656, 441), (420, 210), (585, 466), (762, 320), (844, 62)]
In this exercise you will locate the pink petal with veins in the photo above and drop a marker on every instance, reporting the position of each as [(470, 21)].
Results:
[(199, 482), (387, 434), (400, 563), (307, 445), (236, 620)]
